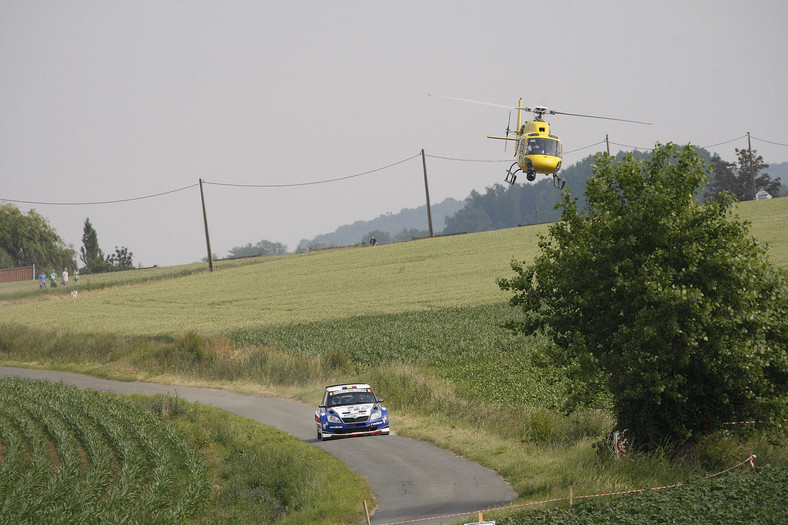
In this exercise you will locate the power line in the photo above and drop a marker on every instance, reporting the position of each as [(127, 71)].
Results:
[(770, 142), (633, 147), (463, 160), (584, 147), (326, 181), (42, 203), (726, 142), (296, 184)]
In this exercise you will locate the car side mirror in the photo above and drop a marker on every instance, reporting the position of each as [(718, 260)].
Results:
[(380, 401)]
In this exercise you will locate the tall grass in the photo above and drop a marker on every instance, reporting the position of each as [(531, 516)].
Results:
[(262, 475)]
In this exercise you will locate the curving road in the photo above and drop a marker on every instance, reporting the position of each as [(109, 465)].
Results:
[(411, 479)]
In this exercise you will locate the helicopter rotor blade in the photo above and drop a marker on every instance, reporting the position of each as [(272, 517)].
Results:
[(504, 106), (553, 112), (508, 129), (537, 109)]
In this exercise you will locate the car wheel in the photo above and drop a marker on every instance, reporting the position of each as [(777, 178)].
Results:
[(319, 435)]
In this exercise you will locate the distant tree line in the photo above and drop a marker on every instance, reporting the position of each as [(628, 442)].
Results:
[(519, 204), (263, 248), (741, 177), (28, 239)]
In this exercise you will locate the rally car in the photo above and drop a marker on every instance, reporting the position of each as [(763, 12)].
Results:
[(350, 410)]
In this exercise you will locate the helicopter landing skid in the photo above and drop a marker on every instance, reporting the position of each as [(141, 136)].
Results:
[(511, 176), (558, 182)]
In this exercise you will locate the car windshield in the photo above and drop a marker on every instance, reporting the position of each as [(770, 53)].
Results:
[(350, 398), (542, 146)]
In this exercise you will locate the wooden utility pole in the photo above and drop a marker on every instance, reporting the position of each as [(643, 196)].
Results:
[(205, 222), (607, 141), (536, 205), (427, 190), (752, 165)]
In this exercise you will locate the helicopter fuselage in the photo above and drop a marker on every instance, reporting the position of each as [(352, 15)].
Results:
[(538, 150)]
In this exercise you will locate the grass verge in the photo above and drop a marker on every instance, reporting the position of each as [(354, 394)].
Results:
[(538, 450), (262, 475)]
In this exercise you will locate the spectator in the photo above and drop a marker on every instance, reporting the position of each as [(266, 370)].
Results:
[(53, 279), (42, 279), (373, 241), (65, 276)]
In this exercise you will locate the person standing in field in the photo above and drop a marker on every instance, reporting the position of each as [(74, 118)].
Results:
[(65, 276), (42, 280), (53, 279), (76, 276)]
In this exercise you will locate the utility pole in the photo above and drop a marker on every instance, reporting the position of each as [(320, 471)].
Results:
[(427, 190), (205, 221), (752, 165), (607, 141), (536, 205)]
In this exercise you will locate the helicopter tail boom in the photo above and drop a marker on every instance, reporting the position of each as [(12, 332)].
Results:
[(519, 114)]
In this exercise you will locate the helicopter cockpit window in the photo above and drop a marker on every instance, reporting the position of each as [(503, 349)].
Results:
[(543, 146)]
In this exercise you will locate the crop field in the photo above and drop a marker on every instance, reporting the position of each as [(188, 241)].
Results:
[(736, 498), (419, 276), (421, 320), (67, 455)]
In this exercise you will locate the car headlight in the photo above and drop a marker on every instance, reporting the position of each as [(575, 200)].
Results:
[(375, 415), (333, 419)]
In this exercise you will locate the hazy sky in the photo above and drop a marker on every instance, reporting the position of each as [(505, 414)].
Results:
[(109, 100)]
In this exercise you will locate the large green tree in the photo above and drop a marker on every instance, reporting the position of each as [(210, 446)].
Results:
[(27, 239), (669, 304)]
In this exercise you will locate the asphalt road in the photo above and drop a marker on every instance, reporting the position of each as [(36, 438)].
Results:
[(411, 479)]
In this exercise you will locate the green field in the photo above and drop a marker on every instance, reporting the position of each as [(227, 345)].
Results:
[(420, 320), (74, 456), (419, 276), (88, 457)]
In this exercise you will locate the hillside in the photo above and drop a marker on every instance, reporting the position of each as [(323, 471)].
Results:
[(407, 219), (423, 275)]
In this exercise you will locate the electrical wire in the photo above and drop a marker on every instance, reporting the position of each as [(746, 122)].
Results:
[(633, 147), (326, 181), (462, 160), (769, 141), (726, 142), (297, 184), (584, 147), (117, 201)]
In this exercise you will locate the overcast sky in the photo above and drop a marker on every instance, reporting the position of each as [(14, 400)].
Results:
[(110, 100)]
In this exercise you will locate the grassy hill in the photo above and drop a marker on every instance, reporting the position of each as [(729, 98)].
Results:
[(425, 275), (420, 320)]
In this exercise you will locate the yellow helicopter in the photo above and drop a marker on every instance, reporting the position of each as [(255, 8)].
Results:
[(538, 150)]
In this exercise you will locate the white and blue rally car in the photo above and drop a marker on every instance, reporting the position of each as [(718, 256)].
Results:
[(350, 410)]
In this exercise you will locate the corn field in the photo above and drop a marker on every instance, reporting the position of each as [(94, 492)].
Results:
[(73, 456)]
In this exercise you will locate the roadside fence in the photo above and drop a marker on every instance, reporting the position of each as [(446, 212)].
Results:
[(22, 273)]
